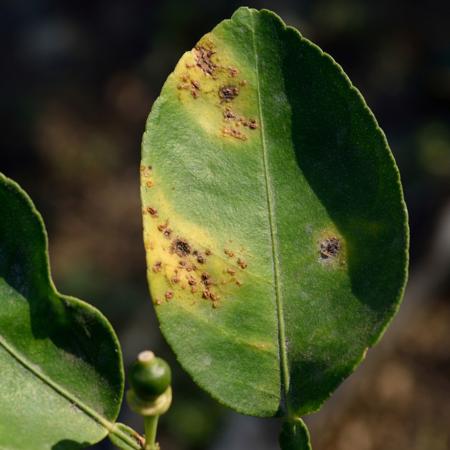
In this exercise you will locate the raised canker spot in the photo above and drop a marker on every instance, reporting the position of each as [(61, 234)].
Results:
[(203, 59), (205, 279), (329, 248), (228, 114), (181, 247), (250, 123), (233, 121), (241, 263), (175, 278), (233, 71), (193, 86), (157, 267), (234, 133), (228, 93)]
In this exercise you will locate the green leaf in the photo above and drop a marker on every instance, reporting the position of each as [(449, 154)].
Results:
[(294, 435), (60, 361), (274, 220), (121, 429)]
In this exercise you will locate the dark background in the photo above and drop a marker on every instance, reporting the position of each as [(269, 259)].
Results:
[(77, 81)]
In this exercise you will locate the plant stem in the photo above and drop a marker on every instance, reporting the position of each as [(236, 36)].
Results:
[(150, 426)]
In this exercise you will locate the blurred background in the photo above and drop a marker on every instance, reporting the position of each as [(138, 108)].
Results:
[(77, 81)]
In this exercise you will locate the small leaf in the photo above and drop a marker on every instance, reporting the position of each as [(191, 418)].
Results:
[(294, 435), (60, 361), (274, 221)]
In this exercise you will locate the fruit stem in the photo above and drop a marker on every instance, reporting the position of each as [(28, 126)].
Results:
[(150, 426)]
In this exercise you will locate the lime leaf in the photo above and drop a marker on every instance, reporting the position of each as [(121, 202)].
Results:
[(274, 221), (60, 361), (134, 437), (294, 436)]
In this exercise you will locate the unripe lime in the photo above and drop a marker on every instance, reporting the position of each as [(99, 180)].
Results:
[(149, 376)]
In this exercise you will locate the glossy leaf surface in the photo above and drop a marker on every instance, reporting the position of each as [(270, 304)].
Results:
[(60, 362), (274, 221)]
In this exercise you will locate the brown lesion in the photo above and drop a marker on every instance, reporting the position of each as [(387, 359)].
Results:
[(188, 84), (231, 116), (241, 263), (186, 274), (329, 248), (203, 59), (221, 83), (152, 211), (157, 267), (181, 247), (234, 121), (183, 265), (233, 71), (147, 175), (228, 93), (234, 132)]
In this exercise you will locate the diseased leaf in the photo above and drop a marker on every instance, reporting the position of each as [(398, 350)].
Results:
[(274, 221), (60, 361)]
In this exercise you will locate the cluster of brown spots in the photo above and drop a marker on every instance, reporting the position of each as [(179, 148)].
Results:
[(206, 279), (228, 252), (250, 123), (207, 292), (203, 59), (187, 274), (146, 171), (230, 115), (165, 230), (193, 86), (183, 264), (146, 174), (329, 248), (240, 261), (236, 121), (228, 93), (227, 131)]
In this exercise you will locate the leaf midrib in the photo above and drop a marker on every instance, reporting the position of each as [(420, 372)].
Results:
[(110, 427), (284, 368)]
